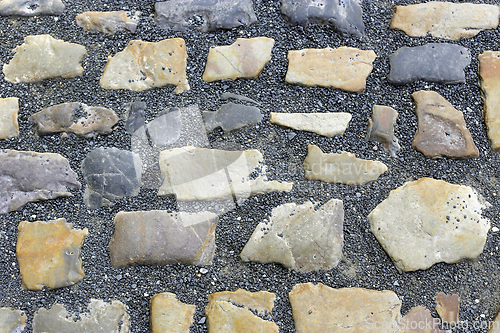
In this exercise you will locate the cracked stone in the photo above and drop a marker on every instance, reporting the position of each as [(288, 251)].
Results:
[(108, 22), (448, 307), (169, 315), (326, 124), (344, 68), (419, 320), (136, 116), (489, 71), (144, 65), (9, 108), (31, 7), (12, 321), (435, 220), (245, 58), (231, 117), (381, 128), (48, 254)]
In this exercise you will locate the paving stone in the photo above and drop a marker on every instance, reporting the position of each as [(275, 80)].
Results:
[(9, 108), (228, 95), (48, 254), (103, 317), (27, 176), (145, 65), (326, 124), (448, 308), (245, 58), (381, 128), (434, 62), (44, 57), (435, 220), (12, 321), (445, 19), (111, 174), (161, 238), (303, 237), (343, 168), (442, 130), (214, 14), (489, 72), (319, 308), (168, 315), (136, 116), (420, 320), (231, 117), (108, 22), (345, 16), (31, 7), (79, 118), (344, 68)]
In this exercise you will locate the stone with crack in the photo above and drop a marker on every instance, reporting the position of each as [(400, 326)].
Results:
[(31, 7), (326, 124), (381, 128), (108, 22), (170, 315), (231, 117), (136, 116), (419, 320), (9, 109), (448, 308), (12, 321), (489, 71)]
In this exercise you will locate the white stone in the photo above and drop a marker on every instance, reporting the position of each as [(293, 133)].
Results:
[(326, 124), (9, 108)]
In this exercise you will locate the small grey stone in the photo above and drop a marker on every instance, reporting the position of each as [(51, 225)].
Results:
[(12, 321), (108, 22), (136, 116), (231, 117), (381, 128), (202, 320), (31, 7), (228, 95), (203, 270)]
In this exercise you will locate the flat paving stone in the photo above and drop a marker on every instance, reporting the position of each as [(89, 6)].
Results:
[(108, 22), (489, 73), (381, 128), (12, 321), (31, 7), (9, 109), (168, 315), (326, 124), (231, 117)]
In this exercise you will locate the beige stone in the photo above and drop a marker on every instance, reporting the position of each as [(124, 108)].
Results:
[(168, 315), (9, 107), (326, 124), (344, 68), (108, 22), (495, 324), (448, 308), (489, 71)]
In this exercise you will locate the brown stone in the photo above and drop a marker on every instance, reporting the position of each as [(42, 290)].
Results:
[(489, 72), (381, 128), (419, 320), (448, 307), (168, 315), (9, 108), (108, 22)]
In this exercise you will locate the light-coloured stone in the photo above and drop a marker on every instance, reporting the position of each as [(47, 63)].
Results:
[(244, 58), (144, 65), (489, 71), (381, 128), (445, 19), (343, 168), (344, 68), (168, 315), (31, 7), (44, 57), (495, 324), (326, 124), (428, 221), (12, 321), (9, 108), (108, 22), (319, 309), (448, 308)]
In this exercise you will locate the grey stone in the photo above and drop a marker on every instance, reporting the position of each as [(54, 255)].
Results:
[(327, 124), (228, 95), (12, 321), (231, 117), (108, 22), (381, 128), (136, 117), (165, 129), (435, 62), (29, 176), (31, 7)]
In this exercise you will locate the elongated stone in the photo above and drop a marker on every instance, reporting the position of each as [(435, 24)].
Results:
[(12, 321), (448, 308), (48, 254), (435, 62), (428, 221), (419, 320), (31, 7), (231, 117), (28, 176), (342, 168), (344, 68), (44, 57), (445, 19), (9, 108), (246, 58), (168, 315), (144, 65), (326, 124), (381, 128), (227, 95), (108, 22), (489, 72)]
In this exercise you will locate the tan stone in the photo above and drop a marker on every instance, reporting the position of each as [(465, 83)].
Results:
[(419, 320), (49, 254), (168, 315), (244, 58), (448, 308), (344, 68), (495, 324), (489, 71), (9, 107), (108, 22), (326, 124)]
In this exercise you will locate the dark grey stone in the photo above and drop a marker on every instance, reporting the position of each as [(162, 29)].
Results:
[(136, 116), (227, 95), (31, 7), (231, 117)]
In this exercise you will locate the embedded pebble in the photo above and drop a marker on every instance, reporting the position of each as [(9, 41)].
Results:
[(231, 117), (108, 22), (12, 321), (326, 124), (9, 108), (381, 128), (168, 315), (448, 308), (31, 7), (489, 73)]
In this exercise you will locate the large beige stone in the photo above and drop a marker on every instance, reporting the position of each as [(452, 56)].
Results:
[(489, 71), (9, 108), (168, 315), (344, 68), (326, 124)]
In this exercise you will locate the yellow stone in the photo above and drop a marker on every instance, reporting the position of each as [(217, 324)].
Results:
[(489, 71), (9, 107), (168, 315)]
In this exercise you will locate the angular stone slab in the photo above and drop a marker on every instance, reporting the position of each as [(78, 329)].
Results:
[(489, 72), (428, 221), (103, 317), (245, 58), (319, 308), (145, 65), (31, 7), (9, 108), (48, 254), (445, 19), (448, 308), (136, 116), (381, 128), (169, 315), (12, 321), (303, 237), (420, 320), (342, 168), (231, 117), (227, 95), (215, 14), (26, 176), (44, 57), (434, 62), (442, 130), (108, 22), (111, 174), (79, 118), (345, 16), (344, 68), (326, 124)]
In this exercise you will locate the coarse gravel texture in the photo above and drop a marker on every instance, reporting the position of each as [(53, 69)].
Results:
[(365, 264)]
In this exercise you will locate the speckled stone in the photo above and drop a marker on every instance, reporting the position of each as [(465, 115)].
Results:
[(31, 7), (231, 117), (168, 315), (108, 22), (448, 308), (489, 72), (381, 128), (9, 108), (12, 321), (326, 124)]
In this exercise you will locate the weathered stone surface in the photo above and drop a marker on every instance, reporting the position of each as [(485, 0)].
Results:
[(319, 308), (445, 19), (342, 168), (326, 124), (48, 254), (215, 14), (161, 238), (442, 130), (79, 118), (168, 315), (489, 71), (111, 174), (345, 16), (381, 128), (31, 7), (244, 58), (212, 174), (448, 308), (419, 320), (144, 65), (12, 321), (344, 68), (428, 221), (303, 237), (435, 62), (9, 108), (44, 57), (229, 312), (28, 176), (103, 317), (108, 22), (136, 116), (231, 117)]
